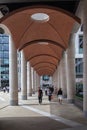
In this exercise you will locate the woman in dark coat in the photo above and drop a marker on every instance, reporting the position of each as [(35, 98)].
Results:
[(40, 95), (60, 95)]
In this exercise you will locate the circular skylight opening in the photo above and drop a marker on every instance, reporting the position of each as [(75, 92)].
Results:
[(42, 17)]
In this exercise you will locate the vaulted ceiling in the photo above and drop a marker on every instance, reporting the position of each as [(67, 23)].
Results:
[(43, 42)]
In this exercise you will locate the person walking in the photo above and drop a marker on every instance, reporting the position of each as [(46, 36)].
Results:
[(40, 95), (49, 94), (60, 95)]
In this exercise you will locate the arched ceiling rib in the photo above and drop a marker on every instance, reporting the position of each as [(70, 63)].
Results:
[(45, 65), (44, 59), (38, 41), (45, 72), (41, 67), (30, 35), (40, 49), (44, 62), (41, 55), (45, 68)]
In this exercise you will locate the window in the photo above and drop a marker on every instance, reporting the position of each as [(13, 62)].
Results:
[(6, 54), (46, 77), (4, 39), (79, 67), (4, 47), (4, 59), (81, 28), (1, 54), (80, 44)]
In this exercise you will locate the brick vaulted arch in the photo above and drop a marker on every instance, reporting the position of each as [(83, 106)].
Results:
[(44, 41)]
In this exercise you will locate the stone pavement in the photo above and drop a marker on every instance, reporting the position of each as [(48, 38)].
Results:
[(29, 115)]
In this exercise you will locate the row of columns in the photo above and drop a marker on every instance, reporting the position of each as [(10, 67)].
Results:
[(71, 69), (65, 74), (30, 80), (26, 79), (64, 78), (66, 69), (13, 75)]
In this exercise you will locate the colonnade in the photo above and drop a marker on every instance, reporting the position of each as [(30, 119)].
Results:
[(63, 77), (67, 78), (30, 80)]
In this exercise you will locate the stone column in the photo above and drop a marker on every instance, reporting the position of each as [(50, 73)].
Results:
[(13, 73), (29, 82), (63, 77), (54, 80), (85, 59), (34, 81), (58, 77), (59, 69), (23, 77), (37, 81), (71, 70)]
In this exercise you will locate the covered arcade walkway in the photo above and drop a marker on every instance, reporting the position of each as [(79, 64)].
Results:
[(45, 36)]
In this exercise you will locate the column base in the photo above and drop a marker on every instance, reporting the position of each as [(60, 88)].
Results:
[(14, 102), (29, 94), (64, 96), (85, 113), (24, 97), (33, 92), (70, 100)]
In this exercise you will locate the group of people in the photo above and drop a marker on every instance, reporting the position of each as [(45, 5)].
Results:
[(50, 92), (40, 94)]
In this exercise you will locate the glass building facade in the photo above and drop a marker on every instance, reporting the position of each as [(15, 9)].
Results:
[(4, 60), (79, 62), (79, 67)]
